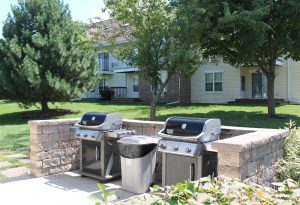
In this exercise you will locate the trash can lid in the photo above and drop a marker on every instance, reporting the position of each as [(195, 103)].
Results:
[(139, 140)]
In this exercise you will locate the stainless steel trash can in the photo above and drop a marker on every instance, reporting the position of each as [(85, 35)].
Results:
[(138, 158)]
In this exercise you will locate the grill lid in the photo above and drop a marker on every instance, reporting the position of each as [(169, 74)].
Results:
[(93, 118), (183, 126)]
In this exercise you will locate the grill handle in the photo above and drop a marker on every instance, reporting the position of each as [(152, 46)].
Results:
[(192, 172), (97, 153)]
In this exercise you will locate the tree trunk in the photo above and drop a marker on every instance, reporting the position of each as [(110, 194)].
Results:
[(154, 100), (271, 100), (153, 107), (45, 107)]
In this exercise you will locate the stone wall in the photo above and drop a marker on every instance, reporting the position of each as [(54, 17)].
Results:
[(248, 154), (251, 157), (53, 149)]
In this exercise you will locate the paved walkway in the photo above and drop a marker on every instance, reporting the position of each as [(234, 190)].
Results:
[(13, 164), (67, 188)]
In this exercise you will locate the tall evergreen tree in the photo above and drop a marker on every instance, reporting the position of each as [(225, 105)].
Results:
[(45, 56), (252, 32)]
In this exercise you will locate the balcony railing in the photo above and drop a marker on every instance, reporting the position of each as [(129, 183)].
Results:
[(119, 92)]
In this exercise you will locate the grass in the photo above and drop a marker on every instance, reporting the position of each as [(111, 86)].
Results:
[(15, 132)]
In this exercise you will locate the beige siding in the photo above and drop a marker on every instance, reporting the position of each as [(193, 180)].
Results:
[(231, 85), (281, 83), (294, 81), (116, 80), (130, 93)]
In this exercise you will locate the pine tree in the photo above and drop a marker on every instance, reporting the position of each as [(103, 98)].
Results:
[(45, 56)]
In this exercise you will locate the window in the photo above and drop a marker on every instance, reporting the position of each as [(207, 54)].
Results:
[(135, 83), (214, 81), (243, 83), (163, 77), (103, 59)]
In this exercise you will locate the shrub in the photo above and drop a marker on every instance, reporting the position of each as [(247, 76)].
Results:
[(225, 191), (107, 94), (289, 166)]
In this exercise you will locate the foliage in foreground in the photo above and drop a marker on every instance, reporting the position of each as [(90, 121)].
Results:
[(289, 166), (225, 191)]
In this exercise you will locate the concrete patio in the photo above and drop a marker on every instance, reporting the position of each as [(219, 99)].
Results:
[(66, 188)]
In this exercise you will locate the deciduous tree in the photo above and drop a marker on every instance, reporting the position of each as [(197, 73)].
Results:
[(252, 32), (152, 43)]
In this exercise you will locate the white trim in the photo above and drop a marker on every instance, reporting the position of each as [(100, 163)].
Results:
[(213, 72), (125, 69)]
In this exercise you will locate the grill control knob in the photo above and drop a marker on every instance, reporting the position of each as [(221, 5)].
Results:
[(78, 134), (162, 146), (175, 148), (93, 135), (85, 135), (188, 150)]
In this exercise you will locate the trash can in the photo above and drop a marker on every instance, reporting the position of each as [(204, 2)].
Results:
[(138, 158)]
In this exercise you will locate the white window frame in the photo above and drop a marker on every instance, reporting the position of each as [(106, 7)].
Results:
[(133, 84), (101, 61), (214, 72)]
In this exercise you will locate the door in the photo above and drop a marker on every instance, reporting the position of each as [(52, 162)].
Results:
[(257, 85), (91, 157), (243, 87), (178, 168)]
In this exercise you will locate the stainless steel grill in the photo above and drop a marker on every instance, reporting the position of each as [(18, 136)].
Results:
[(99, 154), (183, 151)]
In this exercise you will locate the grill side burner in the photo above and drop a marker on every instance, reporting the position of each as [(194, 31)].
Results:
[(183, 154), (99, 154)]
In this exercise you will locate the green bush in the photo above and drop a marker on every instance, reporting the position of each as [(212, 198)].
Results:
[(225, 191), (289, 166)]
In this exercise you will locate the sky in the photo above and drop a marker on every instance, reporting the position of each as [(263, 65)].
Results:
[(82, 10)]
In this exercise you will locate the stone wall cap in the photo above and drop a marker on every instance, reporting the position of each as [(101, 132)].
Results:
[(249, 141), (52, 122)]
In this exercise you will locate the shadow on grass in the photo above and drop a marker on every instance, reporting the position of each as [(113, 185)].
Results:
[(240, 118), (18, 118)]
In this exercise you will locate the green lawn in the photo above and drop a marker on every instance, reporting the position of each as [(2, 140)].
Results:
[(15, 132)]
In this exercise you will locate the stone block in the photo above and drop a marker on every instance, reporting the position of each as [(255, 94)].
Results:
[(38, 155), (251, 169), (36, 164), (64, 144), (51, 162), (70, 151), (56, 153), (53, 137), (265, 162), (64, 128), (44, 146), (233, 172), (39, 172), (65, 136), (234, 159), (50, 129), (38, 138), (67, 167), (36, 129), (66, 160), (56, 170), (75, 143)]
